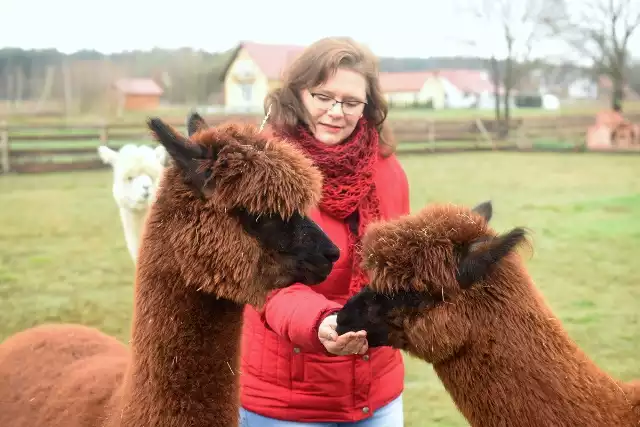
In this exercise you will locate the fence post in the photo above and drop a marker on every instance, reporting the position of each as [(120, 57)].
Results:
[(485, 134), (522, 139), (4, 147), (104, 133)]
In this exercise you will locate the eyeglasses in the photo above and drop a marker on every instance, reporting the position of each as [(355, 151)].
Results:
[(349, 108)]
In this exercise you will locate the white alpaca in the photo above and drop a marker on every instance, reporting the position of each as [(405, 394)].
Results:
[(136, 172)]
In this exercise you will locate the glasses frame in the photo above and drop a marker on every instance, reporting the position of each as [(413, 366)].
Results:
[(314, 95)]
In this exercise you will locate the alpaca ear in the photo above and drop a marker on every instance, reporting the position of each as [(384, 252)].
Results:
[(107, 155), (195, 123), (187, 155), (485, 210), (481, 256)]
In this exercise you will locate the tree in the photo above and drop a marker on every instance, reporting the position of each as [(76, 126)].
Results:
[(511, 30), (634, 76), (600, 31)]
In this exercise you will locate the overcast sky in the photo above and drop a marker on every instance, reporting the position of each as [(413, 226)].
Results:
[(399, 28)]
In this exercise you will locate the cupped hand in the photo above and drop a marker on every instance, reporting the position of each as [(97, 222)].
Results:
[(341, 345)]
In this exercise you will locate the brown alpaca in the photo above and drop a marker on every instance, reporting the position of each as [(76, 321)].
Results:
[(449, 290), (229, 225)]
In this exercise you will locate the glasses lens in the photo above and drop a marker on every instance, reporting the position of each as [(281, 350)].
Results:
[(352, 107), (323, 101), (348, 107)]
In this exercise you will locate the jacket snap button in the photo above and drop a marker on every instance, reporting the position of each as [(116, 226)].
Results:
[(296, 350), (365, 409), (365, 357)]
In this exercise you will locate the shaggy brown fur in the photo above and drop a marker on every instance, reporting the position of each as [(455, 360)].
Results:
[(228, 226), (449, 290)]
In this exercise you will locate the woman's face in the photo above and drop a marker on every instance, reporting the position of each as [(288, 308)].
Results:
[(332, 122)]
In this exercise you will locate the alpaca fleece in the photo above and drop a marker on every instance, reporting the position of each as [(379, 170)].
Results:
[(500, 352), (136, 172), (231, 264), (196, 269), (295, 182)]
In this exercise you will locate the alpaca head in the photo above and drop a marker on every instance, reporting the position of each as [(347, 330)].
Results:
[(136, 171), (234, 204), (431, 276)]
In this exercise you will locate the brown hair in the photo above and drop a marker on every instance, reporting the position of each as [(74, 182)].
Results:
[(313, 67)]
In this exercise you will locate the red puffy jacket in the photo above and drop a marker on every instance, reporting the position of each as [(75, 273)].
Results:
[(286, 372)]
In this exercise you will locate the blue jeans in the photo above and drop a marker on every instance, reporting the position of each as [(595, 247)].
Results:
[(390, 415)]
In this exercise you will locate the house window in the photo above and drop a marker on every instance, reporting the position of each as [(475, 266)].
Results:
[(246, 91)]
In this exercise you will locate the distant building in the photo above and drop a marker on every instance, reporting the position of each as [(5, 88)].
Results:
[(253, 70), (137, 94), (438, 89)]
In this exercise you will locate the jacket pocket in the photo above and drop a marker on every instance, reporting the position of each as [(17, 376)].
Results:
[(297, 365)]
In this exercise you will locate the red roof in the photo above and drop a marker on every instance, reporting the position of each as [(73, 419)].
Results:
[(471, 81), (404, 81), (272, 59), (138, 86)]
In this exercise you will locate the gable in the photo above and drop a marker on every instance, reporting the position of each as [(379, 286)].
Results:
[(270, 59), (243, 68)]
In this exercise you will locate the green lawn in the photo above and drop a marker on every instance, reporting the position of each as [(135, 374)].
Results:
[(63, 258)]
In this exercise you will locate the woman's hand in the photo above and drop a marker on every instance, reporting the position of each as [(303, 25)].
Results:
[(345, 344)]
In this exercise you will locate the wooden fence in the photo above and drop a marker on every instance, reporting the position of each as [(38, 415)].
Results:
[(44, 148)]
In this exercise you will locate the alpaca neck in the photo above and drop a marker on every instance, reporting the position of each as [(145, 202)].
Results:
[(185, 349), (132, 223), (522, 369)]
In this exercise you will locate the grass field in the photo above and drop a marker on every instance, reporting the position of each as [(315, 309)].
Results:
[(63, 258)]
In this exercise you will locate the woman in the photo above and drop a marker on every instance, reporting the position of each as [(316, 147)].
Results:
[(296, 371)]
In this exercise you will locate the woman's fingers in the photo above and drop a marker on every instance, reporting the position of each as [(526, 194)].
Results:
[(352, 343)]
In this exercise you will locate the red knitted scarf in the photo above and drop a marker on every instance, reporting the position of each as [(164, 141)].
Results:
[(348, 184)]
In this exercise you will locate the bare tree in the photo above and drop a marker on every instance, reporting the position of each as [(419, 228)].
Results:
[(634, 76), (600, 30), (510, 31)]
